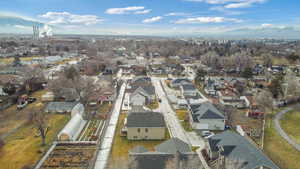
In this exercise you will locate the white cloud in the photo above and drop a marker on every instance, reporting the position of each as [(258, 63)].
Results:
[(215, 1), (266, 25), (56, 18), (128, 10), (206, 20), (23, 27), (243, 4), (176, 14), (152, 20), (231, 3), (143, 12)]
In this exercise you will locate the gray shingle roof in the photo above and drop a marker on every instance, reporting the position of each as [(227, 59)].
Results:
[(172, 146), (149, 89), (205, 111), (236, 147), (188, 87), (60, 107), (145, 119)]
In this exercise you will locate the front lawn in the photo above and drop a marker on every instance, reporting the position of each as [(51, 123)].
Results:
[(24, 148), (282, 153)]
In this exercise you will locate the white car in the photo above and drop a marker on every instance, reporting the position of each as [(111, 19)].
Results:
[(207, 134)]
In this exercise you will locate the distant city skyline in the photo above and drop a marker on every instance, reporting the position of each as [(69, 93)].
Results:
[(156, 17)]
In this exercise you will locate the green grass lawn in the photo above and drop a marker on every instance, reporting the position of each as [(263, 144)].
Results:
[(181, 114), (24, 148), (282, 153), (153, 105), (121, 145), (290, 124)]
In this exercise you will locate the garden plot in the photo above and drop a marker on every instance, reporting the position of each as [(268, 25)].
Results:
[(75, 156), (92, 130)]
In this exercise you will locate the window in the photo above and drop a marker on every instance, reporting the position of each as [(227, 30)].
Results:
[(135, 137), (138, 130), (146, 130)]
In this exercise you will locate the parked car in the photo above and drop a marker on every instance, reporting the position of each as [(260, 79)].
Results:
[(31, 100), (207, 134), (21, 105)]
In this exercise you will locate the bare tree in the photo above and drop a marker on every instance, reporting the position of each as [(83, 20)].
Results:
[(292, 85), (265, 100), (39, 121)]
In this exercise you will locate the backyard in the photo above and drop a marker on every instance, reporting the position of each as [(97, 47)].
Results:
[(182, 114), (14, 118), (153, 105), (121, 145), (77, 156), (23, 147)]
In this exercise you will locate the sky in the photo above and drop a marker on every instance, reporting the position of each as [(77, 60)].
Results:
[(153, 16)]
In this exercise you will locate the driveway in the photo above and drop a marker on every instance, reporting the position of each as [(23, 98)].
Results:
[(280, 131)]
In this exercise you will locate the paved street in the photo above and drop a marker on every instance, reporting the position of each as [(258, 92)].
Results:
[(280, 131), (173, 124), (106, 145), (175, 128)]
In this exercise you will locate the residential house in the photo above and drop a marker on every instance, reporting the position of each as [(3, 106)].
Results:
[(176, 83), (205, 116), (63, 107), (188, 90), (173, 153), (230, 98), (229, 148), (145, 126)]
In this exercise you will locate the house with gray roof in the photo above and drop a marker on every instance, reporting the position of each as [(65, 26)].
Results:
[(173, 153), (188, 90), (205, 116), (145, 126), (176, 83), (64, 107), (229, 148)]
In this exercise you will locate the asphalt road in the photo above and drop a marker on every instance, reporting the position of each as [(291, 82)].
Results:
[(280, 131), (173, 123)]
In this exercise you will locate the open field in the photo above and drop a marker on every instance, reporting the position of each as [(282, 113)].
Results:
[(121, 145), (290, 124), (282, 153), (10, 60), (24, 147)]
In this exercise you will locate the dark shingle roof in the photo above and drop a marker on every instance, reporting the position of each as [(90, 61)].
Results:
[(237, 147), (205, 111), (173, 146), (145, 119), (189, 87)]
